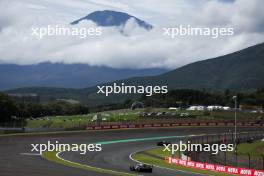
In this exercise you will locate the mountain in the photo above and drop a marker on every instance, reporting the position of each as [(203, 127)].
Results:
[(112, 18), (64, 75), (241, 71)]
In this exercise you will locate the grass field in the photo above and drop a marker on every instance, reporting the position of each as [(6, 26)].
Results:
[(59, 121), (129, 115), (80, 120), (255, 149)]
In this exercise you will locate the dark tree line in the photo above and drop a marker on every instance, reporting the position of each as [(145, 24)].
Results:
[(7, 108), (187, 97), (12, 110)]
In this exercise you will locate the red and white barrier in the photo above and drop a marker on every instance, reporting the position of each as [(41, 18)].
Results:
[(154, 125), (216, 168)]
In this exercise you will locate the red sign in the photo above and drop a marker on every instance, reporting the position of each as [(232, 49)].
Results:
[(216, 168)]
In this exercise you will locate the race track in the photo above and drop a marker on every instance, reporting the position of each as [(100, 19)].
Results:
[(114, 156)]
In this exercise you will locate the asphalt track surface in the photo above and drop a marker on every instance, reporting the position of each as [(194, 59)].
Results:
[(114, 156)]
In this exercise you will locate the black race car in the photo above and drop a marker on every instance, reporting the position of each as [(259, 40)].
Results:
[(161, 143), (142, 168)]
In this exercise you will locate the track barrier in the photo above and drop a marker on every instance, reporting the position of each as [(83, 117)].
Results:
[(121, 125), (215, 167)]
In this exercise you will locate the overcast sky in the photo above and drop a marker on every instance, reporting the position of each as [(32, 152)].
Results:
[(140, 49)]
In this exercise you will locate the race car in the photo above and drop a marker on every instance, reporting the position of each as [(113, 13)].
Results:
[(161, 143), (142, 168)]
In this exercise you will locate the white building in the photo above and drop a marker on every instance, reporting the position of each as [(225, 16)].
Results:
[(196, 108), (226, 108), (173, 108), (211, 108)]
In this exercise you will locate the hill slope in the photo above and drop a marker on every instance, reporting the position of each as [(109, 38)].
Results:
[(242, 70), (64, 75)]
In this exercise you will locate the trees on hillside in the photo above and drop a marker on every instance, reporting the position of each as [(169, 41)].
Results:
[(7, 108), (11, 110), (186, 97)]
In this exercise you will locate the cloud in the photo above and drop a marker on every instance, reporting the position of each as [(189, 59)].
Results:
[(138, 48)]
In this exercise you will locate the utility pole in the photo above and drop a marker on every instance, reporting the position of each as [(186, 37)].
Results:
[(235, 99)]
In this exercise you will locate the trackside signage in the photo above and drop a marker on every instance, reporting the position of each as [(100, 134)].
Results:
[(216, 168)]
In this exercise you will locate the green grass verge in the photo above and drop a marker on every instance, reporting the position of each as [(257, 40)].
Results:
[(254, 149), (159, 152), (160, 162), (51, 156)]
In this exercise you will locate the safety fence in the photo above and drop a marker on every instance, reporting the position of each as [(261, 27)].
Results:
[(237, 158)]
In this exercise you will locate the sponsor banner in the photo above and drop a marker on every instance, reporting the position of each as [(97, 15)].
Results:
[(209, 166), (89, 128), (110, 126), (175, 124), (248, 124), (193, 124), (131, 126), (106, 127), (123, 126), (203, 124), (199, 165), (98, 128), (115, 126), (221, 124), (258, 173), (220, 168), (190, 164), (185, 124), (215, 168)]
